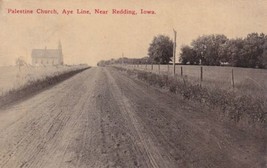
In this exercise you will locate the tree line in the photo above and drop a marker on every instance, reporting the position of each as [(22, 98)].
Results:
[(250, 51), (124, 60), (215, 50)]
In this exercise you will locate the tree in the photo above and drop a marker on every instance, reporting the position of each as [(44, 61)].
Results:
[(161, 49), (253, 49), (20, 62), (207, 48), (188, 55), (247, 52)]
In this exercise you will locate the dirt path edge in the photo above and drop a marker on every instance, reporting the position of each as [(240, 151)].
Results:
[(33, 88)]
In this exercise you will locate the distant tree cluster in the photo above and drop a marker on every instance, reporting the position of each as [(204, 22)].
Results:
[(250, 51), (125, 60), (215, 49)]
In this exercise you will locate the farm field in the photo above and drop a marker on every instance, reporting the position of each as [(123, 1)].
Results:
[(12, 77), (245, 79), (103, 118)]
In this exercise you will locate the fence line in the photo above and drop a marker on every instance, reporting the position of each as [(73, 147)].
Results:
[(186, 71)]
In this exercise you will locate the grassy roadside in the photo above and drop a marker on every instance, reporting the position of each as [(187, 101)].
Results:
[(34, 87), (248, 109)]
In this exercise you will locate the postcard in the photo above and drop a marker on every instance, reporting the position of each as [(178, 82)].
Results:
[(133, 83)]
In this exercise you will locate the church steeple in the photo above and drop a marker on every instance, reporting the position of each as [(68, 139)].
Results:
[(60, 52), (59, 45)]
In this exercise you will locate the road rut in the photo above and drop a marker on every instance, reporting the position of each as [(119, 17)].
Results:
[(103, 118)]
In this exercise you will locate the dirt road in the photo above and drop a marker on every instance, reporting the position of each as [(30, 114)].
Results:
[(102, 118)]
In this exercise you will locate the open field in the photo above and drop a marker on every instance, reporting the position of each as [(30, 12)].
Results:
[(251, 81), (12, 77), (103, 118)]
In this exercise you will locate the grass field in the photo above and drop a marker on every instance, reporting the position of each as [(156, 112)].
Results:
[(12, 77), (245, 79)]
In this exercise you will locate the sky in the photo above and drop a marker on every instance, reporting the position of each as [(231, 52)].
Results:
[(91, 38)]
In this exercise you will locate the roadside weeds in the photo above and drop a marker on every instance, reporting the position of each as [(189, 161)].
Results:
[(34, 87), (249, 110)]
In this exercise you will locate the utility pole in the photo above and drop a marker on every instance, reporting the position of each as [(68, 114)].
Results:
[(174, 51), (122, 58)]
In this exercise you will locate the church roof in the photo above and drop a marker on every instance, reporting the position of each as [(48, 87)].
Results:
[(46, 53)]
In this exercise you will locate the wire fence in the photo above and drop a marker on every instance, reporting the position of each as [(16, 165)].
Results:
[(217, 76)]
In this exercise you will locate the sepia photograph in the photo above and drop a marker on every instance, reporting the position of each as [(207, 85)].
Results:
[(133, 84)]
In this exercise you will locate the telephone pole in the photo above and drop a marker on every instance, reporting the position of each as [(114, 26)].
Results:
[(174, 51), (122, 55)]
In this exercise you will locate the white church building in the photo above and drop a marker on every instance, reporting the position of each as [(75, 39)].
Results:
[(47, 56)]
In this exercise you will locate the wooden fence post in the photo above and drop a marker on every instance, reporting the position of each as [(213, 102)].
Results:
[(159, 67), (233, 79), (181, 71), (168, 68), (152, 66), (201, 73)]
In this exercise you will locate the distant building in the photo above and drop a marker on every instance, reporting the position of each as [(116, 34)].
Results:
[(47, 56)]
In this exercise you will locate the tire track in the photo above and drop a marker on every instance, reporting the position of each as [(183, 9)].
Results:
[(155, 158), (220, 151), (48, 124)]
